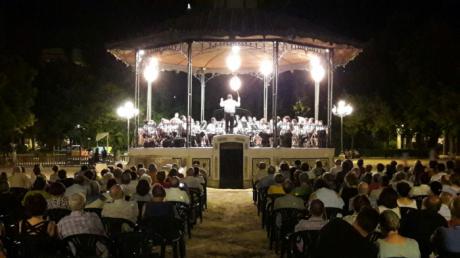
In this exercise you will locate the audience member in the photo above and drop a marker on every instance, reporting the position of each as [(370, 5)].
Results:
[(79, 221), (277, 188), (421, 224), (304, 189), (340, 239), (119, 207), (388, 200), (54, 175), (267, 180), (403, 190), (77, 187), (446, 239), (19, 179), (316, 220), (125, 182), (158, 208), (57, 200), (142, 193), (35, 207), (393, 244), (38, 187), (329, 197), (191, 181), (174, 193), (421, 185), (288, 200), (358, 203)]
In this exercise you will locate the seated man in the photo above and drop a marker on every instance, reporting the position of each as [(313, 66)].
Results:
[(288, 200), (77, 187), (329, 197), (174, 193), (340, 239), (317, 218), (79, 221), (191, 181), (267, 180), (421, 224), (119, 207), (158, 208), (445, 239)]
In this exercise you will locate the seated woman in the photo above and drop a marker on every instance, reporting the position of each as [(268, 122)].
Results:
[(142, 193), (57, 199), (403, 190), (388, 200), (277, 188), (395, 245), (38, 187), (358, 203), (35, 207)]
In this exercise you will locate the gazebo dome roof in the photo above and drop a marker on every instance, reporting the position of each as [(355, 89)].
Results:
[(214, 31)]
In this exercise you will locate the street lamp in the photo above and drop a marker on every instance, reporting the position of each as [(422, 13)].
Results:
[(150, 75), (342, 110), (317, 73), (127, 111), (266, 68)]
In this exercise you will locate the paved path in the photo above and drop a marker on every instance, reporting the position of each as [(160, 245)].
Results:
[(230, 228)]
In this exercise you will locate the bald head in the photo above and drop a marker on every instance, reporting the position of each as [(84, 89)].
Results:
[(432, 203), (116, 192)]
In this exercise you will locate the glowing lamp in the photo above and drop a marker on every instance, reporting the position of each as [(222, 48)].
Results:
[(235, 83), (266, 67), (233, 62), (152, 70)]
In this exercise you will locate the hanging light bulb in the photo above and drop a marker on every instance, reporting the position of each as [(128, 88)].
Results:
[(235, 83)]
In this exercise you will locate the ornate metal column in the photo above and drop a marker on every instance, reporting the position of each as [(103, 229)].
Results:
[(189, 91), (275, 92), (203, 88)]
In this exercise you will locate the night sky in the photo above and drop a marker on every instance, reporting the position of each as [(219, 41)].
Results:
[(29, 26)]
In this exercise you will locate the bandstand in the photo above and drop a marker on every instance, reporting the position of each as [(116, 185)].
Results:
[(199, 44)]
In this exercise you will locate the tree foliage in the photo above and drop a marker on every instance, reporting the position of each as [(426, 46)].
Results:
[(16, 97)]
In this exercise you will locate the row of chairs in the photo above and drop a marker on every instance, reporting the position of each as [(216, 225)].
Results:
[(280, 223), (139, 243)]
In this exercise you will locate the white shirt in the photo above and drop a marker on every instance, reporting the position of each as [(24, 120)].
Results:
[(438, 176), (20, 180), (445, 212), (121, 209), (192, 182), (175, 194), (230, 105), (336, 170), (76, 188), (330, 198)]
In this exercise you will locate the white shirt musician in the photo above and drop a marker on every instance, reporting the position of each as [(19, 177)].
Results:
[(229, 106)]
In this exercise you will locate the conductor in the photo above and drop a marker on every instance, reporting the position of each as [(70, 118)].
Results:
[(229, 106)]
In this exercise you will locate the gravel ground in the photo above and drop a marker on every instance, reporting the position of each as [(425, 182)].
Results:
[(230, 228)]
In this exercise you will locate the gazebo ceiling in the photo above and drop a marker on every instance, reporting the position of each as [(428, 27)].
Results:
[(214, 32)]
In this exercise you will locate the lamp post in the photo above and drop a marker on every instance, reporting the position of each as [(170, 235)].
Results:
[(266, 68), (342, 110), (150, 75), (127, 111), (317, 73)]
